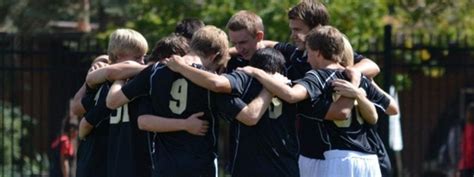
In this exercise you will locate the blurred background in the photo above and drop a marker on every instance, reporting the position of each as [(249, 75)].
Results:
[(425, 49)]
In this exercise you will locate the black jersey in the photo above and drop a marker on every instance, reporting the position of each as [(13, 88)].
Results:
[(270, 147), (296, 61), (128, 153), (236, 62), (178, 153), (92, 151), (352, 134), (382, 154)]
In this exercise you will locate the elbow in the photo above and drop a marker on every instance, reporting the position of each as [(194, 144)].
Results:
[(373, 120), (218, 87), (343, 114), (111, 103), (142, 123), (392, 109)]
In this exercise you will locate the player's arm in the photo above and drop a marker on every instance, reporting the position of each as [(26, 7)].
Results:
[(192, 124), (211, 81), (367, 67), (116, 97), (392, 108), (76, 106), (268, 43), (276, 85), (64, 163), (341, 109), (366, 107), (119, 71), (84, 128), (251, 114)]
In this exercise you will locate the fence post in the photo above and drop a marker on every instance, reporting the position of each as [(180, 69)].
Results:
[(387, 55)]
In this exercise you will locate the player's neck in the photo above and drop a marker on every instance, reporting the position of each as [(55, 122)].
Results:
[(192, 58), (328, 64)]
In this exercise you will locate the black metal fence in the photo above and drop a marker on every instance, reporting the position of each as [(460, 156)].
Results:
[(39, 74)]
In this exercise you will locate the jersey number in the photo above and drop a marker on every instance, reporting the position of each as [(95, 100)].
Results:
[(122, 114), (275, 108), (179, 94)]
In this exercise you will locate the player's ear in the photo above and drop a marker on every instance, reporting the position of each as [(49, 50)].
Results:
[(259, 36)]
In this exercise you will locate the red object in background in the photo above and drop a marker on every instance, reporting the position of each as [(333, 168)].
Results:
[(467, 151), (66, 149)]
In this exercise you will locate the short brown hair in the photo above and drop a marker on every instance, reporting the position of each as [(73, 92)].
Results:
[(126, 41), (312, 13), (210, 40), (245, 20), (170, 45), (328, 41)]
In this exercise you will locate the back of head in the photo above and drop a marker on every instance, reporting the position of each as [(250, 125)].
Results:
[(170, 45), (126, 41), (328, 41), (209, 41), (312, 13), (347, 57), (187, 27), (269, 60), (245, 20)]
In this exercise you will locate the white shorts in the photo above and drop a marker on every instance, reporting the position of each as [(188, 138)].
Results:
[(311, 167), (346, 163)]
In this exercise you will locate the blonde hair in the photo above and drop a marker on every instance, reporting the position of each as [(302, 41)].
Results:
[(347, 56), (209, 41), (245, 20), (126, 41)]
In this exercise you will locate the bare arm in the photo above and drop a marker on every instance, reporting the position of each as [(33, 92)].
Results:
[(211, 81), (392, 108), (84, 128), (76, 106), (341, 109), (268, 43), (119, 71), (251, 114), (277, 86), (115, 97), (366, 107), (192, 124), (367, 67), (64, 165)]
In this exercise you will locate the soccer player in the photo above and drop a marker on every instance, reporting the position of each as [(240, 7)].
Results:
[(188, 26), (174, 99), (304, 17), (268, 146), (129, 143), (315, 88), (124, 44)]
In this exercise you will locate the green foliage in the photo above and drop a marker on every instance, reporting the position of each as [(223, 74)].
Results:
[(15, 128)]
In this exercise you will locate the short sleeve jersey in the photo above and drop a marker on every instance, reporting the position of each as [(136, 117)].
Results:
[(271, 145), (297, 60), (92, 151), (353, 133), (173, 96), (128, 145)]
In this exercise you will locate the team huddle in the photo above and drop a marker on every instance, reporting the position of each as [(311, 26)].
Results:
[(303, 109)]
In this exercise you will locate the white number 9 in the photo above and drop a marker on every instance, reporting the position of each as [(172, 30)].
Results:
[(179, 94)]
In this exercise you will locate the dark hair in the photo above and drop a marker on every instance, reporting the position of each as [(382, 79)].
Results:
[(188, 26), (269, 60), (328, 41), (310, 12), (167, 46)]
